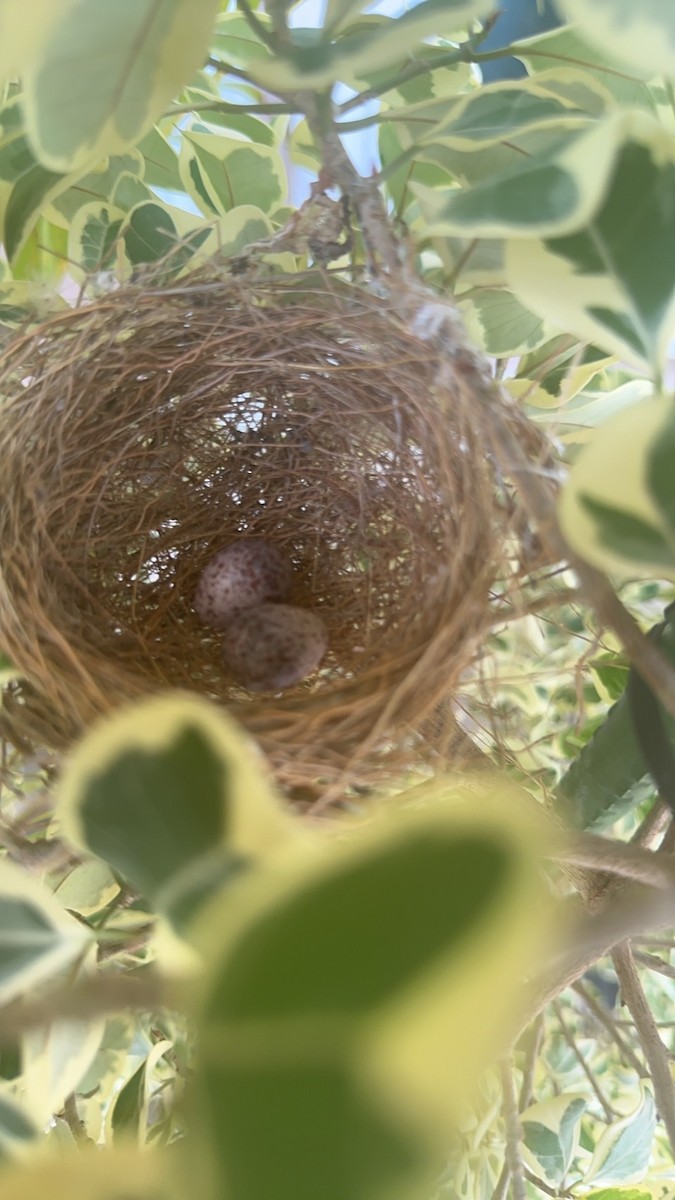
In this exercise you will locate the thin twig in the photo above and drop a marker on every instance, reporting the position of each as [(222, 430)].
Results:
[(543, 1186), (536, 1033), (654, 963), (605, 1019), (513, 1130), (654, 1050), (653, 826), (74, 1121), (571, 1042), (91, 997), (256, 26)]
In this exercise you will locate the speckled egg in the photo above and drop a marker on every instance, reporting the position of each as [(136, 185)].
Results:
[(246, 573), (274, 646)]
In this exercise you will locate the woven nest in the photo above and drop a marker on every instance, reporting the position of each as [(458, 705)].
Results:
[(145, 431)]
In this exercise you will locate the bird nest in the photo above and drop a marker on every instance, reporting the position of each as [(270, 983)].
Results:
[(142, 433)]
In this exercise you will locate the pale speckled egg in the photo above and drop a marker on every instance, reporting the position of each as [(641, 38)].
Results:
[(274, 646), (246, 573)]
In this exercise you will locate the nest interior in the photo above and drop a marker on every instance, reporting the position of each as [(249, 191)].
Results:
[(142, 433)]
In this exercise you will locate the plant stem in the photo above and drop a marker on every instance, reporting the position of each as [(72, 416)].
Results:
[(514, 1133), (654, 1050)]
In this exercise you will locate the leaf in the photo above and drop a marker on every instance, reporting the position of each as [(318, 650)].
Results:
[(150, 234), (236, 43), (130, 1110), (91, 1174), (500, 111), (132, 56), (97, 185), (592, 281), (374, 46), (56, 1057), (169, 794), (623, 1152), (617, 506), (222, 173), (641, 36), (350, 1001), (87, 888), (93, 236), (17, 1130), (160, 161), (22, 40), (499, 323), (37, 938), (551, 1132), (576, 420), (566, 47)]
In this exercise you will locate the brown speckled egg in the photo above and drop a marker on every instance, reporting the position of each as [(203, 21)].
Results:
[(246, 573), (274, 646)]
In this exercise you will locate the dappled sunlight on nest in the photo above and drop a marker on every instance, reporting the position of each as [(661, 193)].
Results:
[(146, 431)]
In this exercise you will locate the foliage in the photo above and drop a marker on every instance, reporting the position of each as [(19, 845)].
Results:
[(341, 977)]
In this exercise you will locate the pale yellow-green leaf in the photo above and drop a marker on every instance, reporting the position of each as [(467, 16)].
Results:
[(106, 72), (575, 421), (55, 1058), (222, 172), (62, 942), (92, 1174), (640, 35), (88, 887), (611, 470), (25, 30)]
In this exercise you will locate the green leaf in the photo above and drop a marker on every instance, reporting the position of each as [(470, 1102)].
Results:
[(617, 506), (551, 1133), (222, 173), (592, 281), (623, 1152), (349, 1004), (160, 161), (37, 938), (638, 35), (92, 1173), (500, 111), (16, 1126), (129, 1113), (106, 72), (236, 43), (93, 236), (499, 323), (98, 185), (567, 48), (167, 792), (87, 888), (608, 778), (150, 234), (376, 44), (56, 1057)]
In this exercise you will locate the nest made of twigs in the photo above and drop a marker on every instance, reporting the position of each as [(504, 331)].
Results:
[(141, 433)]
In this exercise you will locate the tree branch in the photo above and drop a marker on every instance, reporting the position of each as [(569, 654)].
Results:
[(91, 997), (654, 1050)]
